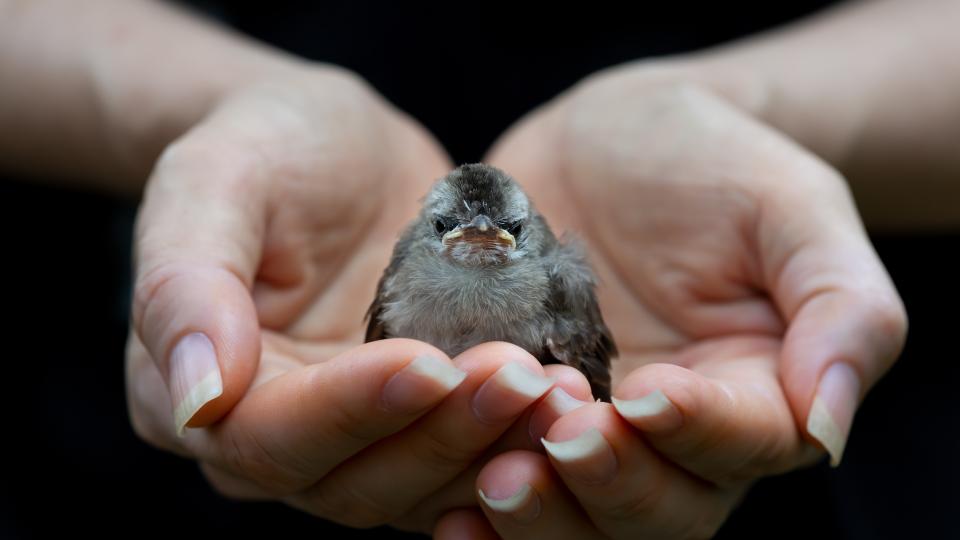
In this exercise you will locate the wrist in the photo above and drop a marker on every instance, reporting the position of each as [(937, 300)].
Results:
[(742, 76), (826, 122), (145, 106)]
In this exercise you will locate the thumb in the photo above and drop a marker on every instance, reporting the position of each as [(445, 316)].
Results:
[(839, 343), (846, 322), (198, 240)]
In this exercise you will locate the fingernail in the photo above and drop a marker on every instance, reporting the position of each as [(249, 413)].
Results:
[(831, 414), (507, 392), (557, 403), (654, 411), (420, 383), (560, 402), (194, 378), (588, 458), (523, 506)]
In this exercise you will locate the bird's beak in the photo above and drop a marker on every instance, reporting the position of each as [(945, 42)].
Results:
[(482, 233)]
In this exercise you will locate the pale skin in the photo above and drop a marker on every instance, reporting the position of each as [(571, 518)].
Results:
[(735, 270)]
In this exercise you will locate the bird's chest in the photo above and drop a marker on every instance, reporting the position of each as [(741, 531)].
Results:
[(456, 308)]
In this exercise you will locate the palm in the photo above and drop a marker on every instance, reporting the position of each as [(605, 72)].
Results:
[(668, 197), (333, 221), (329, 175)]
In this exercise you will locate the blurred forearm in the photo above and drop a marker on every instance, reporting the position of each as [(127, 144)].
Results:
[(874, 88), (93, 90)]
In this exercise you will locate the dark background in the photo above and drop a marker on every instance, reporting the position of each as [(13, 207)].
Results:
[(71, 462)]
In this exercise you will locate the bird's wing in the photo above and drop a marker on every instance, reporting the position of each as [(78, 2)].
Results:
[(375, 327), (376, 330), (578, 336)]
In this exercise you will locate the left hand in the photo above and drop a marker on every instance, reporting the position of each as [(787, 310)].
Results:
[(262, 234), (751, 312)]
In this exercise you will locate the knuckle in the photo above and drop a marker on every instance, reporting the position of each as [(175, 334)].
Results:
[(346, 80), (442, 455), (148, 288), (884, 329), (638, 503), (207, 164), (890, 319), (246, 456), (346, 424), (173, 153), (349, 425), (194, 147), (343, 503)]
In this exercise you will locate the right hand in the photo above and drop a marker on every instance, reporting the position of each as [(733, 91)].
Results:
[(261, 237), (750, 310)]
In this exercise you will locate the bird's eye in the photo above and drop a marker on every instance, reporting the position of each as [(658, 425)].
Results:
[(443, 225), (515, 228)]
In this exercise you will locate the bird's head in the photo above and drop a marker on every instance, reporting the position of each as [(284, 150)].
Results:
[(477, 215)]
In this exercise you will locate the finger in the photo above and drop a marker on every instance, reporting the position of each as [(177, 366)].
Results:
[(524, 434), (847, 324), (729, 428), (838, 346), (198, 241), (524, 499), (571, 391), (288, 432), (464, 524), (503, 381), (148, 400), (625, 487)]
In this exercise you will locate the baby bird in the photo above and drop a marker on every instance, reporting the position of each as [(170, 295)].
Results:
[(480, 264)]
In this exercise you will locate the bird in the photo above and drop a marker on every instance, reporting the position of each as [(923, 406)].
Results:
[(479, 263)]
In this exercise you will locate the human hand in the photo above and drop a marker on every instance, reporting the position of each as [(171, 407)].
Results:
[(259, 243), (749, 307)]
